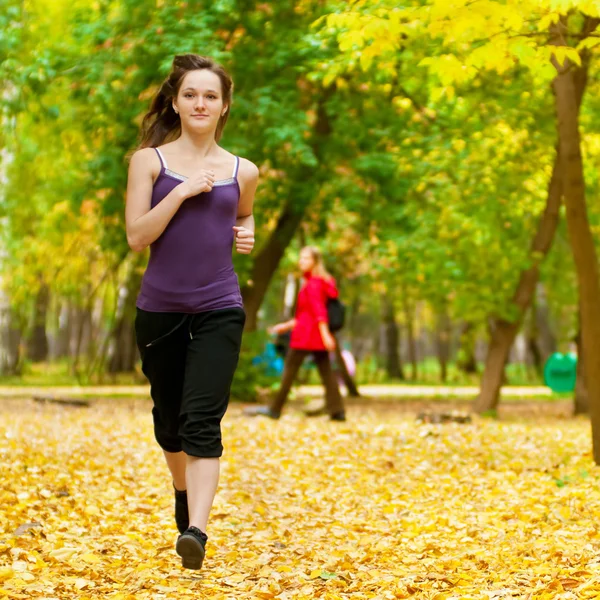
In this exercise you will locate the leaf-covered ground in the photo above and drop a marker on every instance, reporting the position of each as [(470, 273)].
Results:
[(379, 507)]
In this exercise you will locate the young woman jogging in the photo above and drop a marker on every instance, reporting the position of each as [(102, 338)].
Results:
[(189, 200)]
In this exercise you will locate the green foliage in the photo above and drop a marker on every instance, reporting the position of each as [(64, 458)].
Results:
[(416, 137), (250, 378), (474, 142)]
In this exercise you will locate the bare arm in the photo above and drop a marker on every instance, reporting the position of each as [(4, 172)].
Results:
[(244, 224), (145, 225), (326, 335), (283, 327)]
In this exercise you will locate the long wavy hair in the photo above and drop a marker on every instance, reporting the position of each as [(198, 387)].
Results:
[(319, 269), (162, 123)]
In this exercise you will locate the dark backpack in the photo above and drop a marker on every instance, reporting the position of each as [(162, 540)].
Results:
[(336, 314)]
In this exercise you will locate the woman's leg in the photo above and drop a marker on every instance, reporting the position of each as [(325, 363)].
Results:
[(333, 399), (211, 360), (202, 481), (293, 362), (177, 463), (162, 342)]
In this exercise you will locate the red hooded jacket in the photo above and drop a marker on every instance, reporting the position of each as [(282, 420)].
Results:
[(311, 309)]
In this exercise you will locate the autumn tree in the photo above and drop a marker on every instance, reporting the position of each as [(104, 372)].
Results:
[(553, 43)]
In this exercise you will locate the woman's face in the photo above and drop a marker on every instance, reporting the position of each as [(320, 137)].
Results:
[(200, 100), (306, 262)]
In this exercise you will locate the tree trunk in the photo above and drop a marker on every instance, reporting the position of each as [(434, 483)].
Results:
[(268, 259), (123, 350), (534, 351), (37, 344), (506, 331), (578, 226), (467, 362), (356, 340), (14, 358), (581, 401), (10, 338), (546, 337), (503, 335), (503, 332), (64, 333), (11, 362), (391, 339), (409, 315), (124, 355), (443, 343), (82, 331)]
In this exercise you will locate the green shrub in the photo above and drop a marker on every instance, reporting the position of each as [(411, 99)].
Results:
[(249, 378)]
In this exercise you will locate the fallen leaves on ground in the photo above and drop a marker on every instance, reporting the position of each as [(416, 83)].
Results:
[(378, 507)]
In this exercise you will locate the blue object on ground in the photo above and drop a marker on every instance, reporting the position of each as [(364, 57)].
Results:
[(271, 362)]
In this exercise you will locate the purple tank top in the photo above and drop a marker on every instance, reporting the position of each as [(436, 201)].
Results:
[(190, 269)]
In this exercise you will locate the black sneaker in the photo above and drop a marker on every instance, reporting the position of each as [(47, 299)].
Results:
[(261, 411), (182, 518), (191, 547), (338, 416)]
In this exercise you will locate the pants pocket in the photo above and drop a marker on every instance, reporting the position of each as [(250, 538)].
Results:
[(153, 328)]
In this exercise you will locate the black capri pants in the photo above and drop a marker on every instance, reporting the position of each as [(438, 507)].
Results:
[(190, 360)]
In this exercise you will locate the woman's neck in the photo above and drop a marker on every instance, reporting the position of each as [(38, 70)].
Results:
[(197, 145)]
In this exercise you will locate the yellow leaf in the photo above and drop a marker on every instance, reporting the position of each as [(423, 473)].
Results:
[(547, 20), (81, 583), (90, 558), (588, 43), (63, 553)]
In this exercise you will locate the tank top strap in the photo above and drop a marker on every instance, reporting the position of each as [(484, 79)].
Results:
[(236, 167), (163, 162)]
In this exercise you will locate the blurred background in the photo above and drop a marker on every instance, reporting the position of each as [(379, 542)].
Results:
[(425, 193)]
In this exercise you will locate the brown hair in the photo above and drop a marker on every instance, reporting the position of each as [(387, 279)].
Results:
[(162, 123), (319, 269)]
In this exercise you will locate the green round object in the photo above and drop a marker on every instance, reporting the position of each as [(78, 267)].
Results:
[(560, 372)]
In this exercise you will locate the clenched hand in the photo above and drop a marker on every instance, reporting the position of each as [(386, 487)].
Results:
[(244, 240)]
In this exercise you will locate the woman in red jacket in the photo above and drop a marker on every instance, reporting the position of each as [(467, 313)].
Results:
[(310, 335)]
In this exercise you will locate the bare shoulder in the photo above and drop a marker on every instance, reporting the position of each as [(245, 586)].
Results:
[(145, 160), (248, 170), (170, 149)]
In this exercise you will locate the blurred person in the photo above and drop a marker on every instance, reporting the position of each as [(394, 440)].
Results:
[(189, 200), (310, 334)]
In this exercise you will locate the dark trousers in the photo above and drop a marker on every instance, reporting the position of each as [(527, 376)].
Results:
[(190, 360), (293, 362)]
